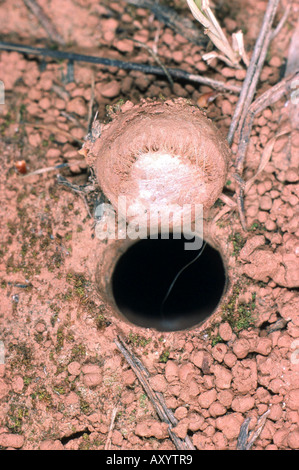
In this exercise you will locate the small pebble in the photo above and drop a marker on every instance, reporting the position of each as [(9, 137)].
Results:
[(270, 225), (226, 108), (225, 331), (265, 203), (178, 56), (45, 103), (292, 175), (110, 89), (125, 45), (77, 106), (275, 61)]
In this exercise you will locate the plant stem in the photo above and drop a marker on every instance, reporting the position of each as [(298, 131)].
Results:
[(144, 68), (45, 21), (254, 70)]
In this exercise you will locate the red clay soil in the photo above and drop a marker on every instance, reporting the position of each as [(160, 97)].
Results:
[(62, 376)]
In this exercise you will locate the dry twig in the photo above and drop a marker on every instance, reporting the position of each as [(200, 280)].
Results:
[(293, 66), (81, 190), (45, 21), (91, 103), (245, 439), (254, 70), (156, 399), (268, 98), (244, 111), (144, 68), (281, 22), (293, 55), (108, 441), (173, 20), (156, 58), (271, 96), (47, 169), (202, 12)]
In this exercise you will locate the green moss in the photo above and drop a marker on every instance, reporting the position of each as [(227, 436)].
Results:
[(53, 193), (55, 261), (79, 283), (59, 339), (80, 291), (237, 241), (219, 203), (27, 380), (15, 418), (12, 227), (42, 395), (78, 352), (245, 314), (68, 294), (38, 337), (84, 406), (22, 213), (101, 321), (240, 316), (6, 122), (85, 444), (56, 309), (60, 389), (215, 340), (22, 112), (138, 340), (24, 249), (22, 355), (114, 108), (164, 356), (162, 97), (32, 245), (256, 227), (143, 401)]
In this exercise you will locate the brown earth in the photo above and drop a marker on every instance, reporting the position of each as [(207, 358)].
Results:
[(63, 375)]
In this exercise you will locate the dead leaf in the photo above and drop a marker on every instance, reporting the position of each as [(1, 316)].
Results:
[(266, 156), (206, 98)]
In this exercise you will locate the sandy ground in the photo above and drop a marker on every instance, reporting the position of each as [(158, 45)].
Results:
[(61, 375)]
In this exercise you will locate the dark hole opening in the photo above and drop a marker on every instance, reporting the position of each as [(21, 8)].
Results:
[(149, 292), (64, 440)]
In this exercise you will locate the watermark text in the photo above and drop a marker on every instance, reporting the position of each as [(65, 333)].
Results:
[(168, 222)]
